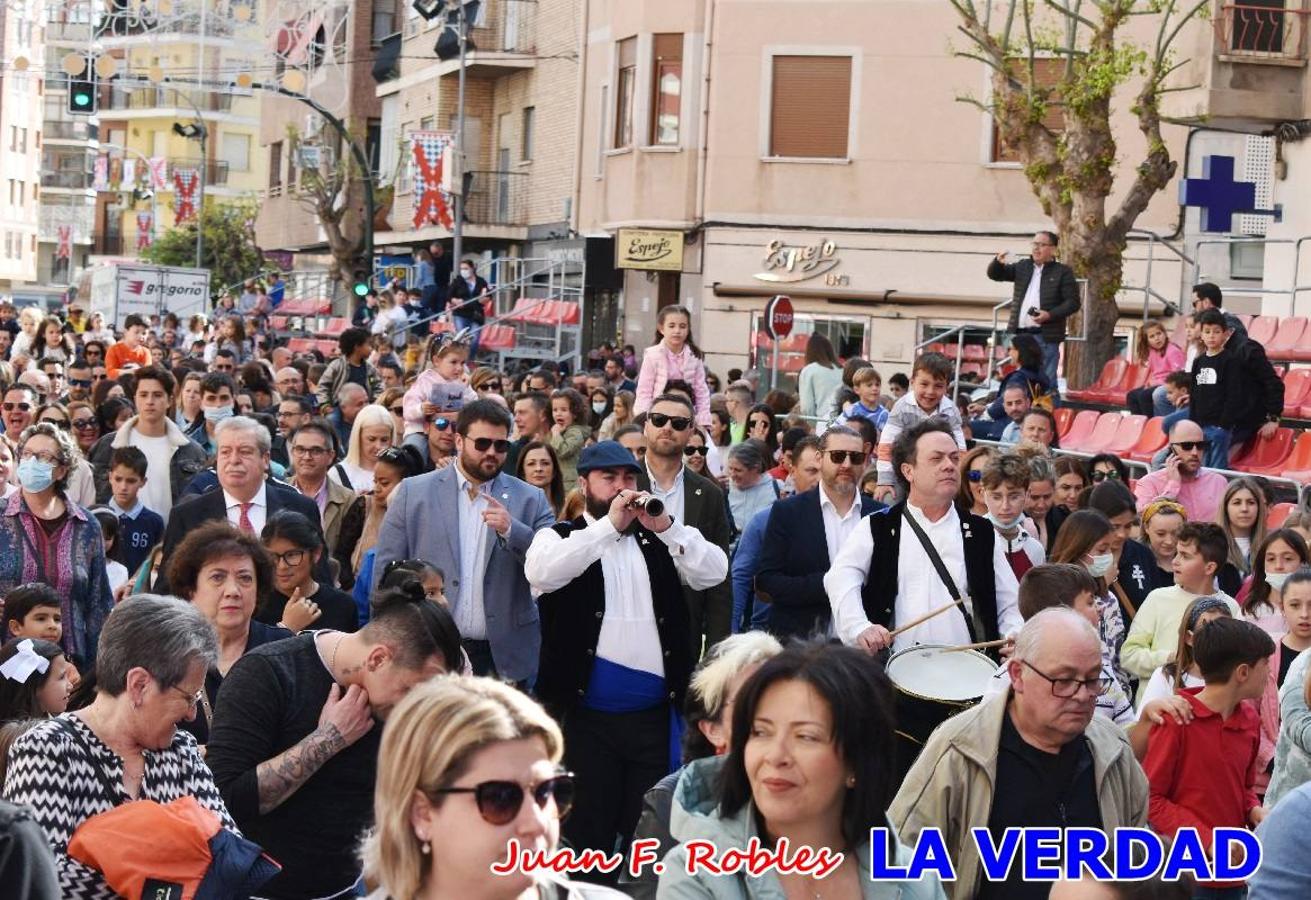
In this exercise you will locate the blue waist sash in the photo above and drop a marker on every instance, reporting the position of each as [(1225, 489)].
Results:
[(613, 688)]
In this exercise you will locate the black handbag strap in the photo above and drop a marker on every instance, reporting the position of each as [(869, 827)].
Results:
[(941, 568), (71, 730)]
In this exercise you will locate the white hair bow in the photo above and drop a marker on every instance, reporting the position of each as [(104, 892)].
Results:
[(22, 664)]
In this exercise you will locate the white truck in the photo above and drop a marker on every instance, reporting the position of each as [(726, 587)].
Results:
[(116, 290)]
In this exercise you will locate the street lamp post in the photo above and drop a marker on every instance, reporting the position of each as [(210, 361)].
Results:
[(196, 132), (457, 233)]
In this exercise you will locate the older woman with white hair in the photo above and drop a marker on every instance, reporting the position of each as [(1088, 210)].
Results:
[(46, 536), (154, 652), (373, 432), (466, 766)]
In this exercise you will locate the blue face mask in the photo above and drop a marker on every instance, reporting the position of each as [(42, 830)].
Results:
[(218, 413), (1099, 564), (35, 475), (1004, 524)]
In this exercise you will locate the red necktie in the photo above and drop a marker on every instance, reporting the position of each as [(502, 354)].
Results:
[(244, 522)]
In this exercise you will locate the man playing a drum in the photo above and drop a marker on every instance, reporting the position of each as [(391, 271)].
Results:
[(920, 572), (1033, 756)]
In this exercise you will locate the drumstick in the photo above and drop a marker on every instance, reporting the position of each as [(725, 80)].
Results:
[(981, 645), (924, 618)]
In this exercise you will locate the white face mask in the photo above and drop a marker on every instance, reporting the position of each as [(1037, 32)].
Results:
[(1276, 580), (1099, 564)]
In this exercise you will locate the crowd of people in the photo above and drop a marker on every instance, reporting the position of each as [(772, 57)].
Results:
[(346, 615)]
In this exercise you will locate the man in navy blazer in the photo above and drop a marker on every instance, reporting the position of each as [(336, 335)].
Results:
[(475, 523), (804, 534)]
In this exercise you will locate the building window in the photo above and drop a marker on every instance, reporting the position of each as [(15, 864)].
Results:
[(526, 134), (810, 107), (625, 92), (275, 164), (666, 89), (234, 149), (22, 140), (1047, 72)]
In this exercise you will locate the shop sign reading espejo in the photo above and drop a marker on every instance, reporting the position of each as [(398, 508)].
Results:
[(644, 248), (785, 263)]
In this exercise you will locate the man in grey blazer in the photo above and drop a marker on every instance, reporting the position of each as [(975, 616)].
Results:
[(475, 523), (1045, 295)]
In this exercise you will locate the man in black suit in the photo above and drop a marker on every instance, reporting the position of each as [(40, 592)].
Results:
[(1040, 305), (804, 534), (692, 500), (244, 498)]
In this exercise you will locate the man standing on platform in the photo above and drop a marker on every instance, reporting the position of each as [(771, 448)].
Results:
[(1045, 295)]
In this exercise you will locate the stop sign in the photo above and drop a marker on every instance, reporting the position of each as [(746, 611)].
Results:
[(778, 317)]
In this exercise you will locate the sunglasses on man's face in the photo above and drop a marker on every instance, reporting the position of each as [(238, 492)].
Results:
[(21, 407), (678, 423), (1099, 477), (500, 801), (80, 382), (441, 424), (482, 445), (1193, 445), (855, 457), (695, 451)]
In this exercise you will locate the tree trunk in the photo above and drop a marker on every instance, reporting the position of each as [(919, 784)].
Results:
[(1084, 359)]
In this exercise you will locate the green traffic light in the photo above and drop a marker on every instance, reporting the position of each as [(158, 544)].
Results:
[(82, 99), (361, 288)]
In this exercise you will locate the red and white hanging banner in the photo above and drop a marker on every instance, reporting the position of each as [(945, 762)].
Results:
[(145, 223), (185, 181), (434, 205), (158, 172), (65, 248)]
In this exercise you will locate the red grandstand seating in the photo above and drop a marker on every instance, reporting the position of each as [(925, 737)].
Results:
[(1126, 436), (299, 345), (278, 323), (1287, 339), (1297, 391), (334, 327), (572, 314), (497, 337), (975, 353), (522, 307), (1246, 319), (1117, 394), (437, 326), (1112, 372), (1278, 514), (1085, 420), (1102, 434), (1263, 328), (1150, 440), (329, 349), (1063, 415), (975, 370), (1298, 464), (1265, 456), (934, 348)]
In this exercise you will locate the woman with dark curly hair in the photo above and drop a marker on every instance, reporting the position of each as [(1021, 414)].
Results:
[(223, 571)]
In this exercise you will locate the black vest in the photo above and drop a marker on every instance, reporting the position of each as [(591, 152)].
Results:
[(880, 592), (571, 625)]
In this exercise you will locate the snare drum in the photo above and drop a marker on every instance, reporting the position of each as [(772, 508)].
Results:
[(933, 684)]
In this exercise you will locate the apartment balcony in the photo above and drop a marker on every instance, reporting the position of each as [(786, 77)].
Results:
[(215, 170), (497, 198), (69, 33), (70, 131), (81, 216), (145, 102), (503, 40), (68, 180), (1251, 68)]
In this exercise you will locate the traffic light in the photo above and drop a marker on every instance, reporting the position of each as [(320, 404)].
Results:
[(360, 284), (82, 92)]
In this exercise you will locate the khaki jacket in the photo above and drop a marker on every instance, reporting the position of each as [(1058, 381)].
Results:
[(951, 785), (340, 499)]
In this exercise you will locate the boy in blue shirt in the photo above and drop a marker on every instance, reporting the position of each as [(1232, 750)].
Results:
[(139, 529), (868, 386)]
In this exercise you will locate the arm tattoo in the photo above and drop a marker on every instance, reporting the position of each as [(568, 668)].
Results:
[(280, 777)]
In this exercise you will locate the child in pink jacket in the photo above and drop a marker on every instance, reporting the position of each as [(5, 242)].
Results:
[(445, 368), (674, 358)]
